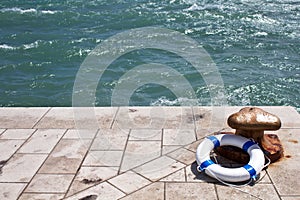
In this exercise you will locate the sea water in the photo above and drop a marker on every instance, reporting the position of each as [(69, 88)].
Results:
[(254, 44)]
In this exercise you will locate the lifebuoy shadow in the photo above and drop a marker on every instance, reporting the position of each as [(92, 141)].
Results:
[(203, 177)]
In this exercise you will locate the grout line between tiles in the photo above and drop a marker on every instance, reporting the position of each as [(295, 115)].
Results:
[(275, 188), (162, 142), (41, 164), (185, 175), (81, 163), (216, 191), (114, 118), (194, 120), (16, 152), (124, 151), (5, 129), (41, 118), (43, 193), (116, 188), (165, 190)]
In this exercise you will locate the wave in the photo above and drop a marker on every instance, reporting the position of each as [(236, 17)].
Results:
[(29, 10), (7, 47), (19, 10), (51, 12), (164, 101), (196, 7), (32, 45)]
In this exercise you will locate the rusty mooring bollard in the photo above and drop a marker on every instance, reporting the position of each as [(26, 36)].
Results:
[(251, 122)]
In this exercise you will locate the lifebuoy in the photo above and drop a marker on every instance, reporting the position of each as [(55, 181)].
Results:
[(247, 172)]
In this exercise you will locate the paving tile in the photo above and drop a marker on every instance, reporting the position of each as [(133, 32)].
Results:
[(21, 167), (101, 191), (66, 157), (179, 117), (80, 134), (290, 197), (190, 191), (145, 134), (11, 190), (202, 133), (1, 130), (178, 176), (36, 196), (159, 168), (129, 182), (153, 191), (89, 176), (103, 158), (204, 117), (178, 136), (8, 148), (78, 117), (264, 178), (58, 117), (154, 118), (138, 118), (18, 134), (20, 117), (183, 155), (110, 139), (139, 152), (50, 183), (287, 169), (105, 116), (193, 146), (258, 191), (42, 141), (169, 148), (213, 116)]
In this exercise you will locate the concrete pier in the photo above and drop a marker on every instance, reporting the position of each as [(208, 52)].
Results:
[(130, 153)]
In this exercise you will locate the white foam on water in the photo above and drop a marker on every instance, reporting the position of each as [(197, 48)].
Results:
[(29, 10), (31, 45), (194, 7), (164, 101), (51, 12), (7, 47), (19, 10), (262, 33)]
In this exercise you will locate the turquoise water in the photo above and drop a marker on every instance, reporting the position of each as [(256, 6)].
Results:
[(255, 45)]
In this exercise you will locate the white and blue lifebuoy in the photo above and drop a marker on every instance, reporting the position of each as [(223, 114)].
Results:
[(247, 172)]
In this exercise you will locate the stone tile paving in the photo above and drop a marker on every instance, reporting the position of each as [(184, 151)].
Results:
[(139, 152), (90, 176), (21, 117), (129, 153)]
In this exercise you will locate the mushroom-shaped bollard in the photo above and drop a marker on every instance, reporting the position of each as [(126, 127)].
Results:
[(251, 122)]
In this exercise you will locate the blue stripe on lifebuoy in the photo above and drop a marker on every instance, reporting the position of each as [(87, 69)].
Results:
[(205, 164), (247, 145), (251, 170), (214, 140)]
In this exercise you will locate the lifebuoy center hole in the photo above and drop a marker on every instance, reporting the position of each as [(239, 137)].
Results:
[(229, 156)]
